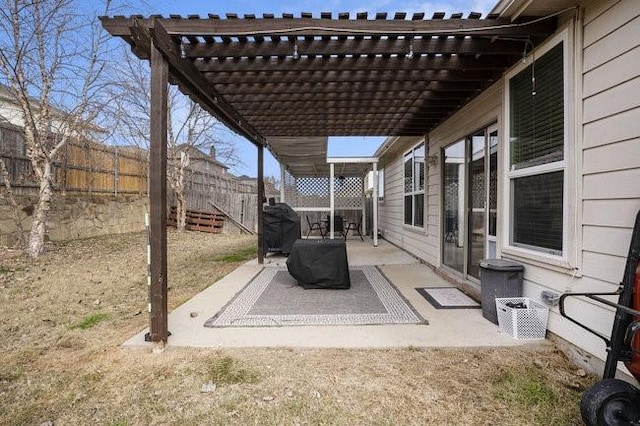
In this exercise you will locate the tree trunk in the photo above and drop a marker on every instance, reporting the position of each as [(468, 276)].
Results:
[(41, 213), (179, 190), (181, 210)]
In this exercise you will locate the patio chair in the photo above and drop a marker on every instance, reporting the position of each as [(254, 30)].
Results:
[(314, 226), (355, 227)]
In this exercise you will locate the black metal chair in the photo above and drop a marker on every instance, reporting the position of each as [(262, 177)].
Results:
[(314, 226), (355, 227)]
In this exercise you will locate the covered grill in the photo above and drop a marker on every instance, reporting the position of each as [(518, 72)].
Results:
[(281, 228)]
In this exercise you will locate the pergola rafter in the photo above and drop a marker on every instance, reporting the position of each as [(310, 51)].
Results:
[(290, 61), (284, 81)]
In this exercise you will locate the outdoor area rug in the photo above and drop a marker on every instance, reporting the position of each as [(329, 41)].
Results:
[(447, 298), (273, 298)]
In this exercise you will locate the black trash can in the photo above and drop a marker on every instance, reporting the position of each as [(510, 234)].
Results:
[(498, 278)]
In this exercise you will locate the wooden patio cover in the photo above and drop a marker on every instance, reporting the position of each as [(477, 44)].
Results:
[(328, 75), (332, 75)]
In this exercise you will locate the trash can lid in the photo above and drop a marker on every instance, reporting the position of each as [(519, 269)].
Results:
[(501, 265)]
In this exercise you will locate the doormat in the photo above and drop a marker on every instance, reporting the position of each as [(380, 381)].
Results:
[(274, 299), (447, 298)]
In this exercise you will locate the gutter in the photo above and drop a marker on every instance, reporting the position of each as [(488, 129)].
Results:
[(510, 8)]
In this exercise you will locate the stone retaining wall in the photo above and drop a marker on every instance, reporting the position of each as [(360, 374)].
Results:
[(73, 217)]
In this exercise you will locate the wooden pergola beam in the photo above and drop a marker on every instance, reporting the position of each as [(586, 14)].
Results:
[(355, 88), (326, 98), (244, 65), (348, 76), (261, 106), (119, 26), (355, 47), (345, 116), (199, 87), (349, 113), (342, 126), (387, 131)]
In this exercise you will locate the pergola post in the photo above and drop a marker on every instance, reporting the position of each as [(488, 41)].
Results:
[(375, 204), (332, 202), (158, 197), (260, 203), (282, 188)]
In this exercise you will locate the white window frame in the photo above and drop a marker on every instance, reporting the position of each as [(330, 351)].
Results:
[(566, 258), (415, 192)]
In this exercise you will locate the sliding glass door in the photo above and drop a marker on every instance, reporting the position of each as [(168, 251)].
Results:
[(453, 206), (470, 201)]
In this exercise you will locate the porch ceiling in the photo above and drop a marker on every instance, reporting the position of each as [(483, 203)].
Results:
[(302, 156), (272, 78)]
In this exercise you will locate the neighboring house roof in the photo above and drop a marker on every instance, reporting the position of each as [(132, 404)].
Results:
[(197, 154), (7, 97)]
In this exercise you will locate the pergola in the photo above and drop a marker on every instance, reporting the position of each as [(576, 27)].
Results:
[(304, 77)]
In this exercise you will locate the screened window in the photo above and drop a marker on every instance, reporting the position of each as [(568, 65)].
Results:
[(414, 175), (536, 153)]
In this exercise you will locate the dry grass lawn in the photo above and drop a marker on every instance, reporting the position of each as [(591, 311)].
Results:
[(64, 316)]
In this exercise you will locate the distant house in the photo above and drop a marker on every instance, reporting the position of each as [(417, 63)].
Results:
[(542, 167), (270, 190), (206, 163), (11, 113)]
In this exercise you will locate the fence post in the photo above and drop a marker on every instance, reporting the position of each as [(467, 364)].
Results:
[(116, 166), (66, 163)]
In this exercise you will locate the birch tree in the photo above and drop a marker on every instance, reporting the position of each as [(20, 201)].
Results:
[(189, 127), (51, 63)]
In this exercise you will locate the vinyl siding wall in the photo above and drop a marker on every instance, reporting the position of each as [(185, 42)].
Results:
[(610, 169), (425, 243), (606, 168)]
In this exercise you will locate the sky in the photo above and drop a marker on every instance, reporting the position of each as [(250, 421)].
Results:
[(338, 147)]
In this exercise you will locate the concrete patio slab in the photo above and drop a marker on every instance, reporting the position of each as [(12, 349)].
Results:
[(446, 328)]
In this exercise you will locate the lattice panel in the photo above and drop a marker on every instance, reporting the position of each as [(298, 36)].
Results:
[(307, 191), (348, 192), (311, 192)]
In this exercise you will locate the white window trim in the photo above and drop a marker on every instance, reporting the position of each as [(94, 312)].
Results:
[(381, 185), (411, 226), (567, 260)]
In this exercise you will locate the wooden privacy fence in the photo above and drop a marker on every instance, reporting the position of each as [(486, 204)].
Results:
[(81, 166), (93, 168), (242, 207)]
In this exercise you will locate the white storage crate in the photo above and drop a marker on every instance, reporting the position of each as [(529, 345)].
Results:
[(521, 323)]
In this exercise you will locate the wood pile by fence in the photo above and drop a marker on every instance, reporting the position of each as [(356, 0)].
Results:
[(209, 221), (242, 207)]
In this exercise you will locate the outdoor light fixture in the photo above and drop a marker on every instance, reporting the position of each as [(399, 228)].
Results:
[(410, 54), (533, 65), (295, 50)]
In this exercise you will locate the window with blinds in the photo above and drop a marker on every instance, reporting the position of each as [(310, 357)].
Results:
[(536, 154), (414, 176), (537, 112)]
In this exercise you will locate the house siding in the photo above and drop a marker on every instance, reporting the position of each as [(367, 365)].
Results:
[(425, 243), (604, 164), (610, 155)]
